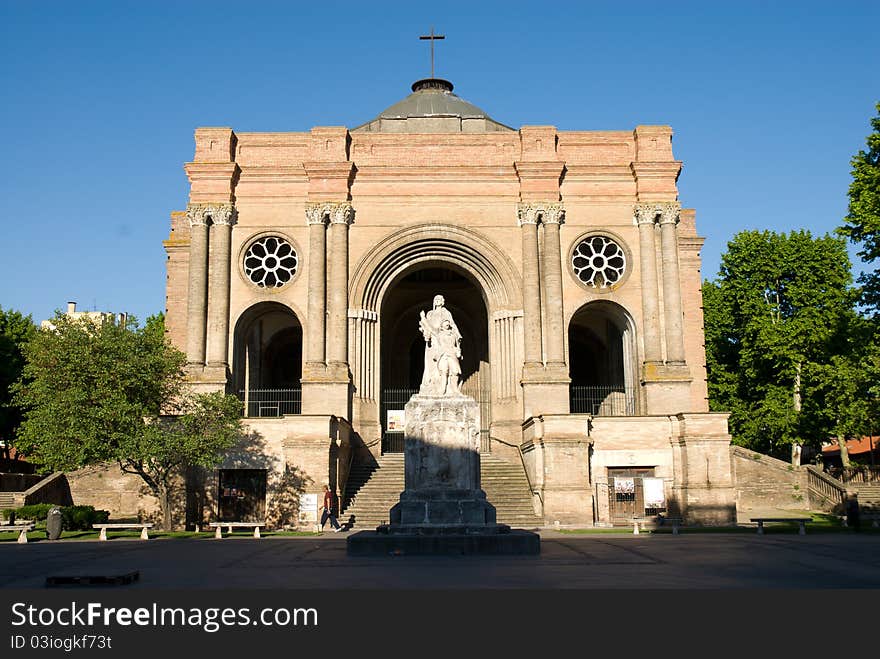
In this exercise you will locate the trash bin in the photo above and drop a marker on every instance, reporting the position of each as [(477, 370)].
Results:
[(53, 523)]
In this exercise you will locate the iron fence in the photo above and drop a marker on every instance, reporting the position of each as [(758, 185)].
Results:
[(607, 400), (271, 402)]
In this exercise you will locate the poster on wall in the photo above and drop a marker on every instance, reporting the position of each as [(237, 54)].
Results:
[(624, 485), (395, 421), (653, 493), (308, 508)]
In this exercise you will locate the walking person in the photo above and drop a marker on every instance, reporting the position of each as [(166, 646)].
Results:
[(327, 512)]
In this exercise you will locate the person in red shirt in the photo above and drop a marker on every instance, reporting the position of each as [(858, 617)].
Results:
[(328, 511)]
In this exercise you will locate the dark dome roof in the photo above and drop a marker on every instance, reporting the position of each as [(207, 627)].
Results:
[(432, 98)]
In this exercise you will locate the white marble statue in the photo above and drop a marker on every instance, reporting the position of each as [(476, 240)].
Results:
[(442, 375)]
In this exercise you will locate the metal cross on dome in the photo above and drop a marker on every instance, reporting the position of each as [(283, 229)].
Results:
[(432, 37)]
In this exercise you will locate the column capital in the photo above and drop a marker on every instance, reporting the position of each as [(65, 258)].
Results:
[(532, 212), (322, 212), (223, 214), (528, 213), (553, 214), (645, 213), (669, 212), (317, 213), (199, 214), (343, 213)]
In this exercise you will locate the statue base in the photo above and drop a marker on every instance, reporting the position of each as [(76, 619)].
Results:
[(497, 539), (443, 509)]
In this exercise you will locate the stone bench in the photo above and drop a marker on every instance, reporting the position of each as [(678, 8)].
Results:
[(218, 533), (123, 525), (801, 521), (22, 528), (675, 521), (874, 518)]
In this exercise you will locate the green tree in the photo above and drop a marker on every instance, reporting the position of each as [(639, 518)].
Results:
[(15, 331), (95, 392), (843, 403), (862, 223), (776, 309)]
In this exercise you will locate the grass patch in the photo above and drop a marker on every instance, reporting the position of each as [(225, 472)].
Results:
[(618, 530), (39, 534)]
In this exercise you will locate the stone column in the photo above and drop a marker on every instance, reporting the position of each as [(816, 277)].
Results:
[(316, 218), (528, 221), (553, 216), (219, 262), (337, 281), (645, 217), (671, 282), (197, 302)]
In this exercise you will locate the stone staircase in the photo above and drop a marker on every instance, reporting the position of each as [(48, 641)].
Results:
[(372, 489), (869, 496)]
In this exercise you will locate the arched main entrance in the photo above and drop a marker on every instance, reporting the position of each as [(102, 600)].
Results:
[(601, 361), (403, 347), (267, 360), (494, 280)]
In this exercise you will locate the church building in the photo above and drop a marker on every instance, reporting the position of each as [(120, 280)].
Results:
[(299, 267)]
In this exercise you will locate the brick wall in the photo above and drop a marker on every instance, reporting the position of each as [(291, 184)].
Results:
[(765, 482)]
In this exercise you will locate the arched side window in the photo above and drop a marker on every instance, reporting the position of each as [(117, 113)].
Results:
[(267, 360), (601, 346)]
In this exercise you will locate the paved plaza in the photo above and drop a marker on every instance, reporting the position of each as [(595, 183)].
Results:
[(567, 561)]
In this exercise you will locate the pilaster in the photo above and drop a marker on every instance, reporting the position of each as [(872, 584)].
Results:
[(645, 216), (703, 490), (316, 218), (669, 213), (667, 383), (197, 297), (557, 453), (219, 259), (545, 378), (326, 379)]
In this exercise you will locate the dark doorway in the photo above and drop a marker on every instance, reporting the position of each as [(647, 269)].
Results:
[(403, 347), (242, 495)]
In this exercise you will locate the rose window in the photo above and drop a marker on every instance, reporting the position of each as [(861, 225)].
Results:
[(270, 262), (598, 261)]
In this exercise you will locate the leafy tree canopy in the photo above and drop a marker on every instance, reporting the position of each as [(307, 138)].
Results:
[(778, 306), (95, 392), (862, 223), (15, 332)]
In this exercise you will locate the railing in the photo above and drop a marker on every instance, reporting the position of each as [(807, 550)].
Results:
[(860, 474), (271, 402), (826, 487), (606, 400), (396, 399)]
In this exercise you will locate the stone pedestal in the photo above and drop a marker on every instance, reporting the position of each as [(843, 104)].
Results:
[(442, 465), (443, 510)]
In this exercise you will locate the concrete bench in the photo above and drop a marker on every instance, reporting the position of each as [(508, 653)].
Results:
[(675, 521), (874, 518), (123, 525), (801, 521), (22, 528), (218, 533)]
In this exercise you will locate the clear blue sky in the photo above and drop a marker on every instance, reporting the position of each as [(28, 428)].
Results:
[(768, 101)]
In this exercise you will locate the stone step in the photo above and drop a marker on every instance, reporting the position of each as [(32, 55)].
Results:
[(373, 489)]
